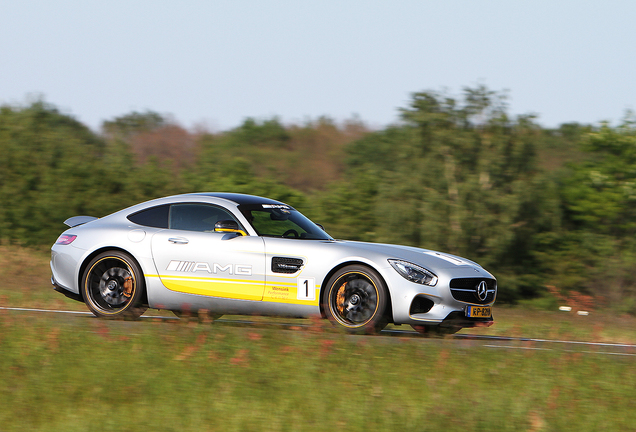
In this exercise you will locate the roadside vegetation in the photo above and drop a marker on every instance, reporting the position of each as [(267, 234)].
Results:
[(538, 207)]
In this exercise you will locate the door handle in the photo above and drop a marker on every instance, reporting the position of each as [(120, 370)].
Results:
[(178, 240)]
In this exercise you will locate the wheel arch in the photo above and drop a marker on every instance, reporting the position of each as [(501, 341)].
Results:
[(389, 305), (96, 252)]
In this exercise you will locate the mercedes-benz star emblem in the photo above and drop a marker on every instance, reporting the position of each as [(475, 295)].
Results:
[(481, 291)]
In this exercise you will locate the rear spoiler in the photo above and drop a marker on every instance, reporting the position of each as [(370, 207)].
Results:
[(79, 220)]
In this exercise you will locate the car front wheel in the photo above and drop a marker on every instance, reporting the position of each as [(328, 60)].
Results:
[(356, 299), (113, 286)]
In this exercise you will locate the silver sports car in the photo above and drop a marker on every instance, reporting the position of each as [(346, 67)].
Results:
[(230, 253)]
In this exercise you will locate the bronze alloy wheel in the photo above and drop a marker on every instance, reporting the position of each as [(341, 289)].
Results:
[(355, 299), (113, 286)]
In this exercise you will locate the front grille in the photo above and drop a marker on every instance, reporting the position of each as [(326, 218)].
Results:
[(465, 290)]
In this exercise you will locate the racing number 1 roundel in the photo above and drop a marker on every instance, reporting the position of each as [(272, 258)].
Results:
[(306, 289)]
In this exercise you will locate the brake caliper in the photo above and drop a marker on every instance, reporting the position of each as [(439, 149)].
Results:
[(340, 299), (128, 286)]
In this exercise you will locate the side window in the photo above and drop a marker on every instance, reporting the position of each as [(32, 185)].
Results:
[(156, 217), (197, 217)]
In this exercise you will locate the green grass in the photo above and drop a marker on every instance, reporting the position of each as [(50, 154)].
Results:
[(68, 373), (80, 373)]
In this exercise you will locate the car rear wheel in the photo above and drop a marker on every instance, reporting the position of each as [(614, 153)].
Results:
[(356, 299), (113, 286)]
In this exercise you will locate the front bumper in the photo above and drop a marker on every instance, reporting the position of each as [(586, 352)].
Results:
[(458, 319), (415, 304)]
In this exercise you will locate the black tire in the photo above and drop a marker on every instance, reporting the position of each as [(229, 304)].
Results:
[(355, 299), (113, 286)]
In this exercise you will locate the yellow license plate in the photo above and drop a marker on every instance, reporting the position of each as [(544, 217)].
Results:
[(478, 312)]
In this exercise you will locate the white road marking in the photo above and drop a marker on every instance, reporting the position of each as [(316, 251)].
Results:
[(508, 338), (457, 337), (572, 351), (606, 353), (45, 310), (518, 347), (70, 312)]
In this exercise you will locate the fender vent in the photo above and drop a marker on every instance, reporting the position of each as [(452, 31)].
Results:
[(286, 265)]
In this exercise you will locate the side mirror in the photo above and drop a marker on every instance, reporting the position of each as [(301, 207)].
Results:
[(229, 226)]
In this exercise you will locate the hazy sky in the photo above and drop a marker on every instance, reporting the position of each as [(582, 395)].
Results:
[(217, 62)]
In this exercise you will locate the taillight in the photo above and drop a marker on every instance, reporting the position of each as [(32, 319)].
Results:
[(65, 239)]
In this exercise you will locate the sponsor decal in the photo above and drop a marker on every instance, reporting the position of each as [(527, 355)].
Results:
[(276, 206), (216, 268), (277, 293)]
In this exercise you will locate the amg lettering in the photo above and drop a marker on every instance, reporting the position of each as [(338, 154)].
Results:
[(243, 270), (193, 267), (217, 267), (202, 267)]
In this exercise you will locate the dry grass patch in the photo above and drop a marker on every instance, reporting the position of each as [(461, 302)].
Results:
[(25, 280)]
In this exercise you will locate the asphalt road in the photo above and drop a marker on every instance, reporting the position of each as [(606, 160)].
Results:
[(486, 341)]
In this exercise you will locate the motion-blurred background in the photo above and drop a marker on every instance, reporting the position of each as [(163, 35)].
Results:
[(498, 131)]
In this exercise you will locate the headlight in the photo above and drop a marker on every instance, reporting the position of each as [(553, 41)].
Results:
[(413, 272)]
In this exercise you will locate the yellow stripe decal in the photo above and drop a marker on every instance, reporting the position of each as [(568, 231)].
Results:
[(275, 292), (216, 288)]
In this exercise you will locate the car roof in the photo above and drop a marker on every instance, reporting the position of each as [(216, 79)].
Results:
[(237, 198)]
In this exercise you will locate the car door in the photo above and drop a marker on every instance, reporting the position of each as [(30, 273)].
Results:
[(295, 269), (191, 258)]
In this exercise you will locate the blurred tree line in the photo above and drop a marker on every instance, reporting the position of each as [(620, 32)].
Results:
[(538, 207)]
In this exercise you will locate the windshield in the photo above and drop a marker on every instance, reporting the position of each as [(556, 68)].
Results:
[(279, 220)]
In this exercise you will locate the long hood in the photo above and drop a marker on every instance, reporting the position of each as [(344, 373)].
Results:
[(428, 258)]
